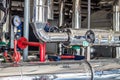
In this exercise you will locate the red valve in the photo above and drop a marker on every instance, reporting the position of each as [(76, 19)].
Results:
[(20, 43)]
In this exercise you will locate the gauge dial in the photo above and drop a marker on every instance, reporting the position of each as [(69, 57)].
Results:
[(16, 21)]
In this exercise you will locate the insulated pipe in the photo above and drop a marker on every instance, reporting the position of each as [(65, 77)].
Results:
[(108, 69), (116, 22), (26, 26), (50, 9), (76, 17), (48, 37), (116, 16), (61, 13), (40, 11)]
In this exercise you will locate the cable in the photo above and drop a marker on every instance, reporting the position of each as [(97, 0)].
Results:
[(91, 69)]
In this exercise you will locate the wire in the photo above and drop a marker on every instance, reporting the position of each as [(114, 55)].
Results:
[(91, 69)]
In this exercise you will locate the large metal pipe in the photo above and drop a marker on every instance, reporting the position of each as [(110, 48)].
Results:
[(75, 37), (108, 69), (116, 22), (40, 11), (40, 22), (116, 16), (50, 9), (61, 13), (48, 37), (76, 18), (26, 26)]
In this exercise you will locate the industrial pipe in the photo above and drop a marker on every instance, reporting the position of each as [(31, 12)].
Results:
[(40, 11), (41, 48), (23, 43), (116, 15), (38, 30), (108, 69), (50, 9), (116, 22), (75, 37), (76, 18), (61, 13)]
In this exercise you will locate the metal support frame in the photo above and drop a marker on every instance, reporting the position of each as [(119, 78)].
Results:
[(89, 23)]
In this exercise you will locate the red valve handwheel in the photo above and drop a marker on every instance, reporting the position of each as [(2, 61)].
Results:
[(20, 43)]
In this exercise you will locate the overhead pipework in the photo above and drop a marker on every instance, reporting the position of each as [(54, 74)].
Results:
[(50, 9), (40, 11), (75, 37), (76, 16), (116, 16), (39, 23), (61, 13), (116, 22)]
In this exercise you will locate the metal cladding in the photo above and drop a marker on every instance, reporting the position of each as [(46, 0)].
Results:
[(40, 11), (75, 37), (50, 9), (116, 15), (76, 18), (48, 37), (61, 13)]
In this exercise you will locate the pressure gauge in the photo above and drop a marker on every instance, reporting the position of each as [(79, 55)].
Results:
[(16, 21)]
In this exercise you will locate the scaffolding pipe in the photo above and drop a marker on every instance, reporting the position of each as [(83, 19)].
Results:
[(76, 17), (26, 26)]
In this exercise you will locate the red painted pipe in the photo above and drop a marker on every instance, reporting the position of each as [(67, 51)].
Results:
[(42, 54), (67, 57), (34, 44), (16, 54), (42, 47)]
